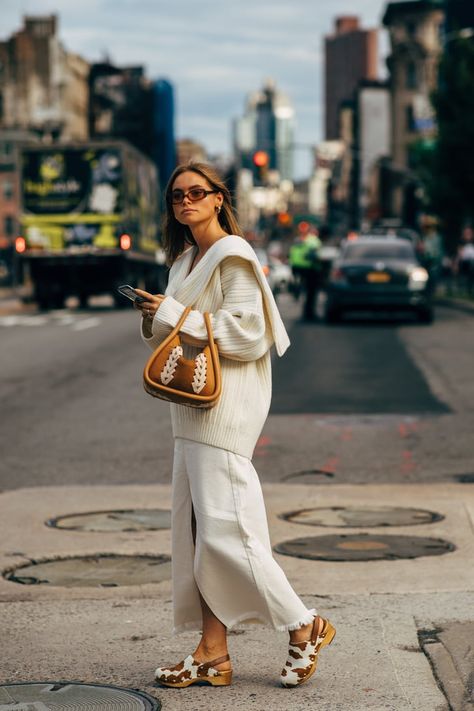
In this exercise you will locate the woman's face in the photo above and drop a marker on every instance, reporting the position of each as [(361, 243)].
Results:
[(191, 212)]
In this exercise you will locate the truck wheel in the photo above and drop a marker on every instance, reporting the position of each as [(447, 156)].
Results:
[(43, 302), (332, 315), (57, 301)]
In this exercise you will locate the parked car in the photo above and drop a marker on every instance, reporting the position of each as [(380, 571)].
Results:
[(374, 273)]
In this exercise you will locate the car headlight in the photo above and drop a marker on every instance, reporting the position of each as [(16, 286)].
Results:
[(418, 278)]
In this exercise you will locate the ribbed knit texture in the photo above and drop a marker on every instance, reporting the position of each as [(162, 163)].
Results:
[(245, 326)]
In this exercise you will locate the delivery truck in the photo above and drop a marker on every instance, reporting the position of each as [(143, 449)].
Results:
[(89, 216)]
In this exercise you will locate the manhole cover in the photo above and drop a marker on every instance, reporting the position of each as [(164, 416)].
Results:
[(314, 474), (363, 546), (102, 570), (45, 696), (362, 516), (126, 520)]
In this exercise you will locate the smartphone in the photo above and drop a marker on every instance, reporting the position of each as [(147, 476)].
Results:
[(130, 293)]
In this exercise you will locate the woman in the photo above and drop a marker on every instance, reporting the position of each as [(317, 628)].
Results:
[(223, 569)]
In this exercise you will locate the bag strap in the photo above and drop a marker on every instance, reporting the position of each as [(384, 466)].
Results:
[(182, 319), (207, 321)]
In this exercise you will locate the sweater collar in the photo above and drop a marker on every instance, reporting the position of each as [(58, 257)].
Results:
[(186, 287)]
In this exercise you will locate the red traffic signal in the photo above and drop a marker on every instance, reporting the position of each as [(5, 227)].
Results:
[(260, 158)]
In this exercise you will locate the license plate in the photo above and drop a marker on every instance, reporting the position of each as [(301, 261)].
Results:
[(378, 277)]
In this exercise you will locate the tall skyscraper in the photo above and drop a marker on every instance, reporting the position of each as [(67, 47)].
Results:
[(268, 126), (164, 147), (351, 54)]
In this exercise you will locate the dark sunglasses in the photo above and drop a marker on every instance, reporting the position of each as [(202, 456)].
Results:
[(195, 194)]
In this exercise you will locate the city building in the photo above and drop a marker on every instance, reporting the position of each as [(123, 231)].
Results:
[(372, 143), (163, 140), (416, 31), (10, 141), (351, 55), (43, 88), (120, 105), (267, 127), (328, 157)]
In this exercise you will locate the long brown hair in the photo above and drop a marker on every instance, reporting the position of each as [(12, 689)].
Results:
[(175, 235)]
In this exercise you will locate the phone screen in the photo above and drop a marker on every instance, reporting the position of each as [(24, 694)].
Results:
[(130, 293)]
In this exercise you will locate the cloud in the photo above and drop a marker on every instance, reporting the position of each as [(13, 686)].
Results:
[(214, 53)]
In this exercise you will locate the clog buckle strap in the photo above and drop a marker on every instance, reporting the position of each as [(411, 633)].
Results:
[(190, 671)]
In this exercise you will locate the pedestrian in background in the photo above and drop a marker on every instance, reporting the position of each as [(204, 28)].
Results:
[(465, 261), (306, 266), (432, 254), (224, 572)]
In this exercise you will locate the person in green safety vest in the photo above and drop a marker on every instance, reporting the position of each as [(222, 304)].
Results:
[(304, 260)]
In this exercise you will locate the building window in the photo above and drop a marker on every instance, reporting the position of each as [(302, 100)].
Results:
[(410, 118), (9, 226), (411, 78), (6, 148), (7, 190)]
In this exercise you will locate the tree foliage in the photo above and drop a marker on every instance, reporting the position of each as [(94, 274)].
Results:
[(451, 185)]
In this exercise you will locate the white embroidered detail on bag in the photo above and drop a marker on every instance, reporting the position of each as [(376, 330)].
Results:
[(200, 373), (167, 374)]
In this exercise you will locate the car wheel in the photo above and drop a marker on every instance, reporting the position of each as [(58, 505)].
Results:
[(426, 315), (332, 314)]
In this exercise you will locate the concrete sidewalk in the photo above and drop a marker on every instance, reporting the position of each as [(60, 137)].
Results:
[(388, 613)]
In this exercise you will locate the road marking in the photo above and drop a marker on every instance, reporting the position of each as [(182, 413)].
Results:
[(23, 320), (57, 319), (86, 323)]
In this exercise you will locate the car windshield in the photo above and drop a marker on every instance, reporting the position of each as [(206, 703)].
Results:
[(361, 252)]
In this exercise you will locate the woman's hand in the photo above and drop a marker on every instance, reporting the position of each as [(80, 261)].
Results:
[(150, 306)]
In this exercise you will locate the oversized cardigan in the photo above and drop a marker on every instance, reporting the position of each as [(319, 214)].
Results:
[(229, 283)]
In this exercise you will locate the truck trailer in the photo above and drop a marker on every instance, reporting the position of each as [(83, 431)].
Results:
[(89, 217)]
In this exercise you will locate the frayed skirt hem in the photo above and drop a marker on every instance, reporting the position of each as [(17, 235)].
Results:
[(309, 617), (249, 618), (246, 618)]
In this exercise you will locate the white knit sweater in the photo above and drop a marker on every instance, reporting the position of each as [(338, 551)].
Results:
[(229, 283)]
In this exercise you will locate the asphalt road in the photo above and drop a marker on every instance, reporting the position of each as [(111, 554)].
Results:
[(367, 400), (387, 403)]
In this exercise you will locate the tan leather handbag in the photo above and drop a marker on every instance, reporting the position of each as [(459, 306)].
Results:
[(194, 383)]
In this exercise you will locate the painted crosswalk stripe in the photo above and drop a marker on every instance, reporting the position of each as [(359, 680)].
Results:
[(86, 323)]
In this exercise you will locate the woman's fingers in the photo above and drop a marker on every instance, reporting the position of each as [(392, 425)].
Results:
[(149, 297), (151, 304), (145, 294)]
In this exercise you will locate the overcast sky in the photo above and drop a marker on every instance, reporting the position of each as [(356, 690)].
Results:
[(215, 53)]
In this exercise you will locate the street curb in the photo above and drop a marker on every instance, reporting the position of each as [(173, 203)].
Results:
[(458, 304)]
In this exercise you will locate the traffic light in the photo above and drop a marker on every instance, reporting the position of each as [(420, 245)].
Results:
[(261, 161)]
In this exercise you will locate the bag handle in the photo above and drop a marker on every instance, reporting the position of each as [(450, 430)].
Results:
[(184, 315)]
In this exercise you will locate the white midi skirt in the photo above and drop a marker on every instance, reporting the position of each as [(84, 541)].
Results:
[(231, 562)]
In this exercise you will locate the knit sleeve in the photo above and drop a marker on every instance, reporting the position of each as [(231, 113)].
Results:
[(240, 328)]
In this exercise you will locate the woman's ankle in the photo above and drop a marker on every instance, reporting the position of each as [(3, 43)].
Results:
[(211, 649), (302, 634)]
